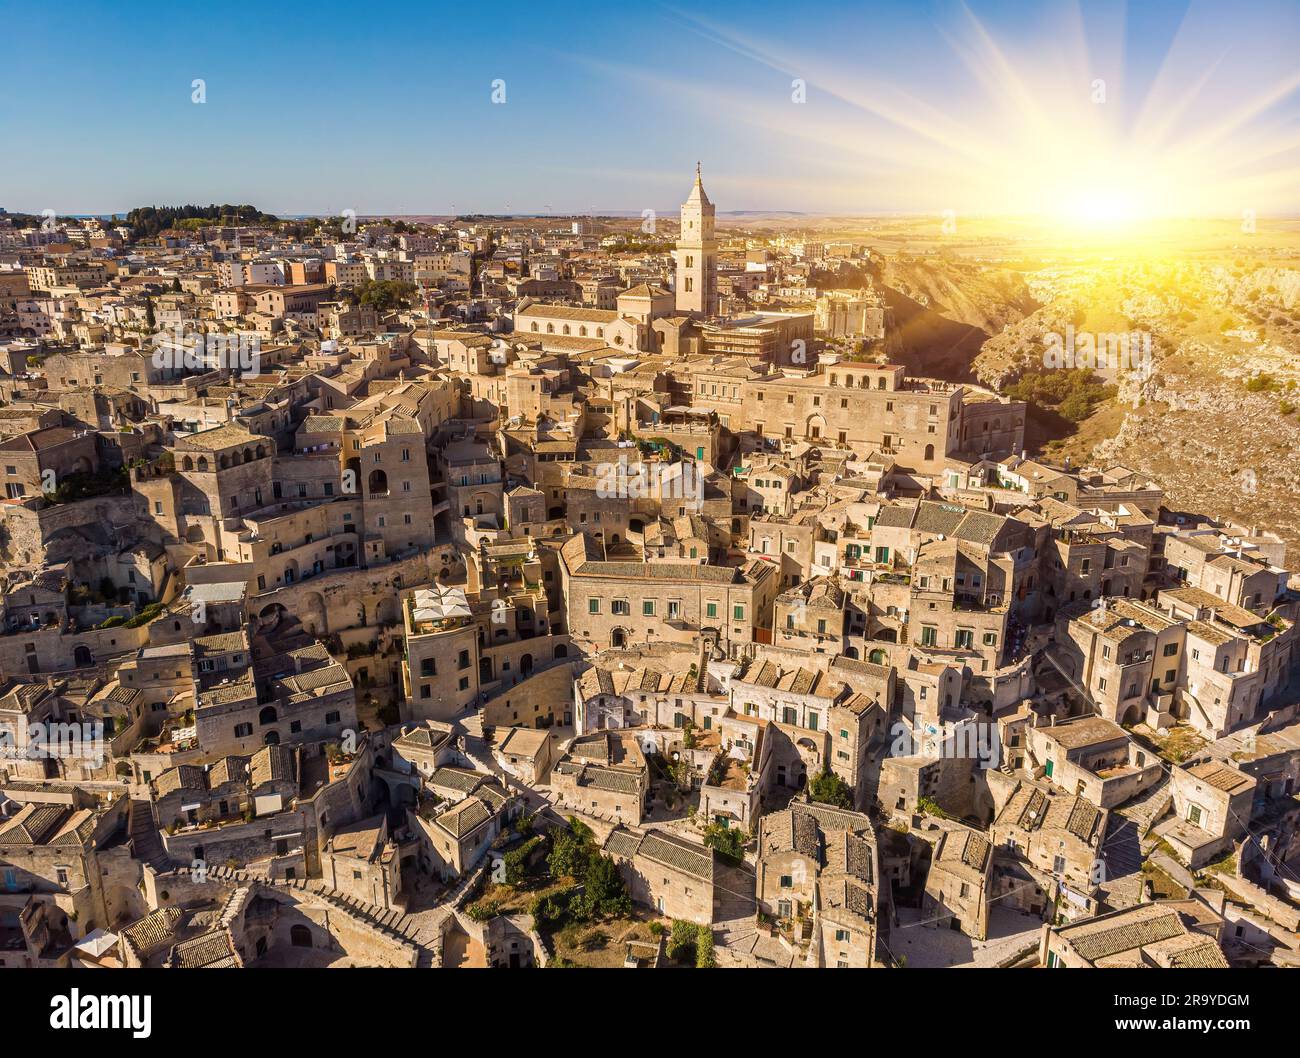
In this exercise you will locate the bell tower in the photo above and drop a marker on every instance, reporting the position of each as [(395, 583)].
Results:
[(697, 255)]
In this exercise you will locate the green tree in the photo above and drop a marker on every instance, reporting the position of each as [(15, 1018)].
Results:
[(382, 295), (682, 939), (570, 851), (604, 893), (729, 841), (829, 789)]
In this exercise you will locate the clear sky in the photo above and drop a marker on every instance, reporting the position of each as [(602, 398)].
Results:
[(914, 106)]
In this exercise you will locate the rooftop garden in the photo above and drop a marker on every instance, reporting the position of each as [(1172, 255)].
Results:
[(572, 890)]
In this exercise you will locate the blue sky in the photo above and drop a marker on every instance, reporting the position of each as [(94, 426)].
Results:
[(387, 107)]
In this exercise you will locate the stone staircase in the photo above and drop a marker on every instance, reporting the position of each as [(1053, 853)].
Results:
[(146, 843), (424, 938), (1126, 844)]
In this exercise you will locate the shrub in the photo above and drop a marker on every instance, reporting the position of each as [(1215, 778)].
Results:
[(145, 616), (484, 910), (682, 939), (704, 958), (516, 859), (1073, 394), (931, 807), (551, 910), (728, 841), (829, 789)]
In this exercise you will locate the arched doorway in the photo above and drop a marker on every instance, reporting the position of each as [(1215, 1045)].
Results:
[(300, 936), (311, 611), (272, 614)]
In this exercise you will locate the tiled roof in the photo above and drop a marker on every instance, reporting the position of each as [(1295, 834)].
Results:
[(1125, 934)]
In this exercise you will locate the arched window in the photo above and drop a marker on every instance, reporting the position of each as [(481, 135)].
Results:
[(378, 483), (929, 451), (203, 462), (268, 716)]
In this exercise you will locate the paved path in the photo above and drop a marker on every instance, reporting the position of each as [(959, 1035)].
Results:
[(1010, 932)]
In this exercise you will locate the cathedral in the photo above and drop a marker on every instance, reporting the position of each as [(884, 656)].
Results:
[(697, 255)]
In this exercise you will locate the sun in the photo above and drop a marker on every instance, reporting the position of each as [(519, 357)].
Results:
[(1106, 207)]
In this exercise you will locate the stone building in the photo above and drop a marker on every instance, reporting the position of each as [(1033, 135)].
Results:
[(674, 876)]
